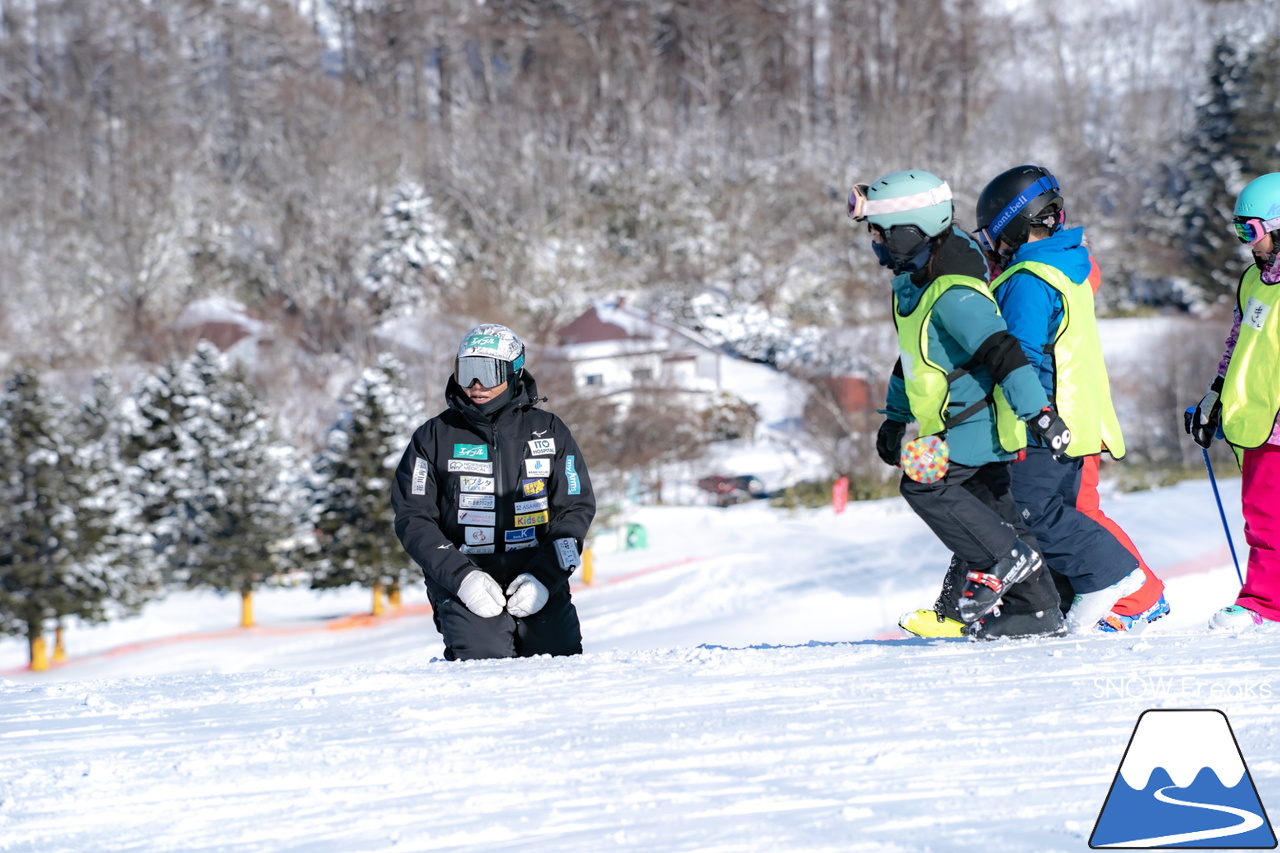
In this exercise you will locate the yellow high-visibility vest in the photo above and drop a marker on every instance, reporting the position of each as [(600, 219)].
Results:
[(1082, 392), (928, 384), (1251, 389)]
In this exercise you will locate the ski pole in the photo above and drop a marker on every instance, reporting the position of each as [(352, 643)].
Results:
[(1222, 513)]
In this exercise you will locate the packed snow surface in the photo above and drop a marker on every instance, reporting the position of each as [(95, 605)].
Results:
[(737, 694)]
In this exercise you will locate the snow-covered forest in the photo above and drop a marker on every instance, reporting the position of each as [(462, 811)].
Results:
[(350, 169)]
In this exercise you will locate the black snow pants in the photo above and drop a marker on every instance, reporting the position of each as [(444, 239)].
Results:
[(553, 630), (972, 511), (1083, 552)]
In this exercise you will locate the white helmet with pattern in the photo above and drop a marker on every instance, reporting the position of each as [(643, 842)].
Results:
[(489, 353)]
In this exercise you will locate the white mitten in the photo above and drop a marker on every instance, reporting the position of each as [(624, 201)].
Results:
[(526, 595), (481, 594)]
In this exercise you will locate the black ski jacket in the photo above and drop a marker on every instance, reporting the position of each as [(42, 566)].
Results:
[(492, 493)]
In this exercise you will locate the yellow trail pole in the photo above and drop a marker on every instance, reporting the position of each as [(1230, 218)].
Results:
[(59, 650), (588, 566), (393, 596), (39, 654), (246, 608), (378, 606)]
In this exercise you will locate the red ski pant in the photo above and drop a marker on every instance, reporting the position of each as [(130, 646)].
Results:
[(1260, 501), (1088, 503)]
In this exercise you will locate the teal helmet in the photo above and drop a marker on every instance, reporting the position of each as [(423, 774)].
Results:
[(905, 198), (1260, 199), (1257, 210)]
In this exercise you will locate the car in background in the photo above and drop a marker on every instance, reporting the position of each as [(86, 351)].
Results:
[(728, 490)]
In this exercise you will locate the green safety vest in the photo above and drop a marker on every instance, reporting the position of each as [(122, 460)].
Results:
[(1081, 390), (928, 383), (1251, 389)]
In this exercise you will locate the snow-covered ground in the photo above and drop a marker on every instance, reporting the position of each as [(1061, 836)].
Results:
[(734, 695)]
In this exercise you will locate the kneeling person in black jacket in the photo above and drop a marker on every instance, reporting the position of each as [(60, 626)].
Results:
[(493, 500)]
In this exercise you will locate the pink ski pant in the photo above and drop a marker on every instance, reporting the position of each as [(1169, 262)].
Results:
[(1260, 501)]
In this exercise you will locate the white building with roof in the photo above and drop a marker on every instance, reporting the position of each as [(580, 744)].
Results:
[(613, 349)]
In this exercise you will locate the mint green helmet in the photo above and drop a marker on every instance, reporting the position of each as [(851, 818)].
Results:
[(1260, 199), (908, 198)]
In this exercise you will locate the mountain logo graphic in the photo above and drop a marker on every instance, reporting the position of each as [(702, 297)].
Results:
[(1183, 783)]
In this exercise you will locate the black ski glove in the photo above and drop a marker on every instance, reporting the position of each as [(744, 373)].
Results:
[(1202, 423), (1050, 429), (889, 441)]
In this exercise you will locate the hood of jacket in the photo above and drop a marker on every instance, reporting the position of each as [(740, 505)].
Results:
[(1064, 250), (956, 254)]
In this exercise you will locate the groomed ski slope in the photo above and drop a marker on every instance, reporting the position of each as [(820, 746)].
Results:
[(733, 697)]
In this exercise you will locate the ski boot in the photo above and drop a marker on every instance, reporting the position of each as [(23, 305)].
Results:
[(1088, 608), (982, 590), (999, 624), (930, 624), (1240, 618), (1114, 622)]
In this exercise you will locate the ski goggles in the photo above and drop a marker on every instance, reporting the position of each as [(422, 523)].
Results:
[(859, 207), (1250, 231), (491, 372)]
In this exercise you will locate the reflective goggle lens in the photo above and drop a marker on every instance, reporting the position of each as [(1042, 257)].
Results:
[(490, 371), (857, 208), (1252, 230), (1249, 230)]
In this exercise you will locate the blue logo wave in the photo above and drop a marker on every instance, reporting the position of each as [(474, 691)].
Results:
[(1206, 813)]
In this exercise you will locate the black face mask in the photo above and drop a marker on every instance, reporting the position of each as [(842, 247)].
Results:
[(912, 263), (904, 248)]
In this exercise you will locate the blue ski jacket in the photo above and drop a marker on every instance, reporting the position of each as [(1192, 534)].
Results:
[(1031, 307)]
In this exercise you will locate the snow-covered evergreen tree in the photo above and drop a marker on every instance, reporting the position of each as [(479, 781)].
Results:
[(157, 448), (353, 517), (67, 531), (35, 518), (112, 540), (242, 506), (412, 257), (233, 507), (1232, 143)]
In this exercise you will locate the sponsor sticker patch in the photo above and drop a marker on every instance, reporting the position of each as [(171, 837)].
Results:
[(575, 482), (542, 447), (476, 549), (528, 534), (537, 467), (517, 546), (477, 484), (476, 516), (419, 476), (482, 341), (477, 501), (471, 451), (470, 467), (531, 506), (533, 488), (531, 519), (478, 536)]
